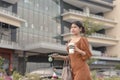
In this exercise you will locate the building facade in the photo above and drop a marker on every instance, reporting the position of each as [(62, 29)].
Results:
[(104, 42), (30, 30)]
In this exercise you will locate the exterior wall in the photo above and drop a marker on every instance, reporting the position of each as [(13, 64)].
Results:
[(43, 23), (115, 15), (66, 7), (7, 6), (8, 14), (10, 21), (112, 45), (42, 20)]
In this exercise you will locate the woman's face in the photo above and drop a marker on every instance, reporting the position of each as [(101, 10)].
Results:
[(75, 29)]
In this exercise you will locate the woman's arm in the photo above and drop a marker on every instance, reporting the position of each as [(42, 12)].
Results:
[(85, 52), (57, 56), (80, 51), (86, 49)]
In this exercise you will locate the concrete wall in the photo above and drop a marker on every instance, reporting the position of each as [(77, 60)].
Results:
[(115, 15)]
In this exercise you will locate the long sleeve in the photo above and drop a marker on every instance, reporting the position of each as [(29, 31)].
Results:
[(85, 47)]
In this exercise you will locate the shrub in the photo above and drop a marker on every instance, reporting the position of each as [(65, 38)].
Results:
[(31, 77), (113, 78), (1, 62), (94, 75), (1, 78), (16, 76)]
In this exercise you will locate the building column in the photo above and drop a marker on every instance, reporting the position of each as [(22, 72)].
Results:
[(10, 66), (86, 10), (61, 19), (24, 62)]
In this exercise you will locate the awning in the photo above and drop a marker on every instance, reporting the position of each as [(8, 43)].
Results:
[(46, 47)]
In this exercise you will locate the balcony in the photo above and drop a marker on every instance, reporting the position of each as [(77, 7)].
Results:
[(106, 58), (96, 53), (73, 15), (102, 40), (95, 6), (6, 42), (40, 42), (105, 1), (10, 18), (96, 39)]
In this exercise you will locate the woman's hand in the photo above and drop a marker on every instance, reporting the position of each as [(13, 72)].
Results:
[(55, 55), (66, 44), (79, 50)]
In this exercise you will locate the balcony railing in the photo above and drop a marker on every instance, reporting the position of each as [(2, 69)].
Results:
[(35, 36), (78, 12), (99, 55), (96, 53), (96, 35), (102, 36), (88, 15), (6, 42), (101, 17), (25, 38), (5, 12)]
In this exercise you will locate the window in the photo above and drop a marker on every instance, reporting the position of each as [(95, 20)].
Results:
[(99, 62), (13, 33), (36, 20), (26, 1)]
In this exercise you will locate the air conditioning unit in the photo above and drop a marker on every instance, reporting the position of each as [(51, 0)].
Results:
[(10, 1)]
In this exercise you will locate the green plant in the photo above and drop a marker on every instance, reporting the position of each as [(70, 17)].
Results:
[(16, 75), (33, 77), (94, 75), (1, 61), (90, 26), (2, 72), (1, 78), (90, 61), (117, 67), (113, 78)]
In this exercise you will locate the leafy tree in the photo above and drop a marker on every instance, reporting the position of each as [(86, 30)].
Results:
[(91, 26)]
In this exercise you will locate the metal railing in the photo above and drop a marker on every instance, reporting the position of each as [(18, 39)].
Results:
[(36, 36), (88, 15), (101, 17), (7, 40), (24, 38), (96, 53), (3, 11), (78, 12), (97, 35)]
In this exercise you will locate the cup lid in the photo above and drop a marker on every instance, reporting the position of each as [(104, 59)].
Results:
[(71, 44)]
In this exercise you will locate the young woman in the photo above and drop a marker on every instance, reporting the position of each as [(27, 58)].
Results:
[(80, 68)]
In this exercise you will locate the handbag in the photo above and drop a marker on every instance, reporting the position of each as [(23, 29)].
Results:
[(66, 72)]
